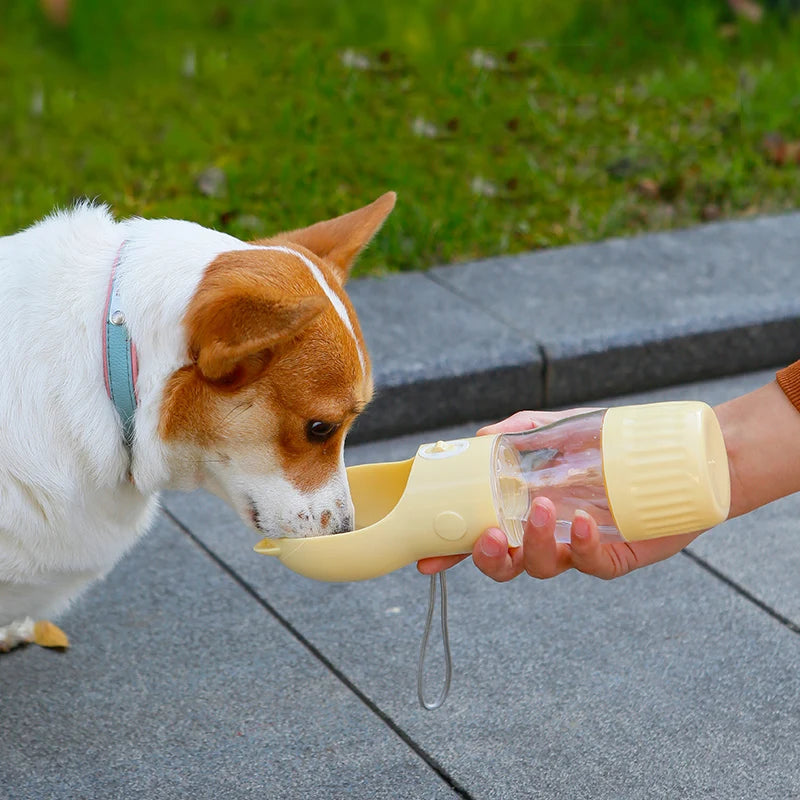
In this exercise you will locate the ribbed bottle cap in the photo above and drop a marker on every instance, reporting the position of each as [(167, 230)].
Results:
[(665, 469)]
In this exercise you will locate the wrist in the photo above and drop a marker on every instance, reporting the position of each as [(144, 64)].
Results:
[(762, 439), (732, 434)]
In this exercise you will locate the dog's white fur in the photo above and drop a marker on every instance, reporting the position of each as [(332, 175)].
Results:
[(68, 507)]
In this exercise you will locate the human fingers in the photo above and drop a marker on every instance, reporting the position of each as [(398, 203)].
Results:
[(543, 556), (590, 556), (614, 559), (527, 420), (649, 551), (493, 557), (521, 421), (434, 564)]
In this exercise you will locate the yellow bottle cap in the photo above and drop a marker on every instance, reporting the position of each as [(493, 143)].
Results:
[(665, 469)]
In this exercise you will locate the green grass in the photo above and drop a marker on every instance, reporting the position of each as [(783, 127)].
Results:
[(595, 120)]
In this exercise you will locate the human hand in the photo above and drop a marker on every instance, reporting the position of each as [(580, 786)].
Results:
[(541, 556)]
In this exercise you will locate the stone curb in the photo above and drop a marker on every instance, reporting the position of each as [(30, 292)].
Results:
[(556, 327)]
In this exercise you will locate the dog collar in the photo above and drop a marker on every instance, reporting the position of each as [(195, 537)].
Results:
[(119, 357)]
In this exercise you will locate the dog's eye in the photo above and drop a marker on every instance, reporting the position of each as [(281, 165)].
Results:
[(319, 431)]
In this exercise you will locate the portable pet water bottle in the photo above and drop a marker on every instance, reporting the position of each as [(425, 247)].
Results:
[(641, 471)]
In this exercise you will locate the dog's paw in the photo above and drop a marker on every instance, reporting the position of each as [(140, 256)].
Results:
[(26, 631), (16, 633)]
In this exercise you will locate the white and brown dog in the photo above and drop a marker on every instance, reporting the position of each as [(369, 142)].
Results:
[(251, 368)]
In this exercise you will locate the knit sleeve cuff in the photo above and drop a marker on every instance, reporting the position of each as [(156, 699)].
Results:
[(789, 380)]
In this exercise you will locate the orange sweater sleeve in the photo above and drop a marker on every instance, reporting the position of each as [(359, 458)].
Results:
[(789, 380)]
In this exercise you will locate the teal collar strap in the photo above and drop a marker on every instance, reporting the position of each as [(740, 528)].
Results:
[(119, 357)]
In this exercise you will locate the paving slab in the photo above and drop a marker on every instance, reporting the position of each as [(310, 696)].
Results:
[(670, 682), (433, 355), (180, 685)]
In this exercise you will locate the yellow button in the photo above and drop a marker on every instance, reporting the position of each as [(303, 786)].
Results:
[(450, 525)]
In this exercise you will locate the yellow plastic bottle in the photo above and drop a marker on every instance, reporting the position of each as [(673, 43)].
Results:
[(641, 471)]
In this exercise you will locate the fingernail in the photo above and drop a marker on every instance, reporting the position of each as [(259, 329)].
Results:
[(491, 546), (580, 525), (541, 515)]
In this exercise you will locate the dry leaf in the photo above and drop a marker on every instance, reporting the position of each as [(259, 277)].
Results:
[(46, 634), (57, 11), (747, 9), (779, 151), (649, 188), (482, 187), (480, 59), (354, 60), (424, 128), (212, 182)]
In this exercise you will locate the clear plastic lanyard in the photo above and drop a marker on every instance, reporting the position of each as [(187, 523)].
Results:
[(448, 664)]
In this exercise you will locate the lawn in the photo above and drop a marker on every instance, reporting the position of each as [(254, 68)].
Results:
[(503, 126)]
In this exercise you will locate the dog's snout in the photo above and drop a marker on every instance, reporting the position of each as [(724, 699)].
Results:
[(300, 520)]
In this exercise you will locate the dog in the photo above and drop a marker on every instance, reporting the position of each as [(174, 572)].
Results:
[(143, 355)]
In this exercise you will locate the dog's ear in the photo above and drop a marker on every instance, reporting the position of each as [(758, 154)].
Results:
[(339, 240), (233, 335)]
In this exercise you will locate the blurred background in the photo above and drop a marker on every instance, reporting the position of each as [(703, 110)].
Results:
[(503, 126)]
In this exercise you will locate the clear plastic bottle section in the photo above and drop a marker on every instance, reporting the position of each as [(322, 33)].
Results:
[(562, 461)]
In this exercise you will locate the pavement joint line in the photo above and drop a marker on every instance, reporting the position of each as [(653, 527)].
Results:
[(545, 375), (739, 589), (471, 301), (326, 662)]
